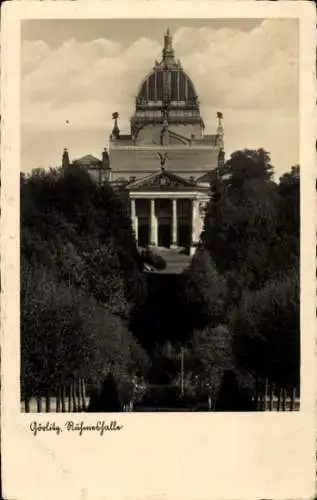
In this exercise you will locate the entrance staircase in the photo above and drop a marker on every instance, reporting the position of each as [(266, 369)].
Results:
[(176, 259)]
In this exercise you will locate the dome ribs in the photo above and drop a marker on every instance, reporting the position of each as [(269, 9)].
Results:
[(167, 98)]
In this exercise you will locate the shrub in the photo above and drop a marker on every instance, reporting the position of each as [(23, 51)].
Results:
[(161, 396)]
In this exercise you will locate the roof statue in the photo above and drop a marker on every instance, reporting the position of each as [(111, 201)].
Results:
[(163, 159), (65, 159), (220, 130), (220, 122), (115, 130), (105, 159)]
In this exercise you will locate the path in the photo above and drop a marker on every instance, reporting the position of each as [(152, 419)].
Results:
[(176, 259)]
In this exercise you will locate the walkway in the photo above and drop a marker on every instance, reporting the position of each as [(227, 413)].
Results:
[(176, 259)]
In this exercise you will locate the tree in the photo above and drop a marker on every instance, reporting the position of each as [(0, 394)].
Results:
[(107, 399), (81, 281), (93, 230), (203, 292), (212, 350), (246, 275), (165, 365), (241, 219), (233, 397), (247, 164), (66, 334), (103, 278), (288, 227), (53, 350), (267, 330)]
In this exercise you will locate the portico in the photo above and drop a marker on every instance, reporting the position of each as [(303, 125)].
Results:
[(164, 216)]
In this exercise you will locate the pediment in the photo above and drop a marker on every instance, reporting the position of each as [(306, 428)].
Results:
[(161, 181), (205, 178), (87, 161)]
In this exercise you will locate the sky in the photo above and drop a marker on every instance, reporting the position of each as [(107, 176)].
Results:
[(75, 73)]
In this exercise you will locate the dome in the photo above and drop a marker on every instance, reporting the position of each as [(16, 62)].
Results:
[(173, 85), (167, 98), (167, 82)]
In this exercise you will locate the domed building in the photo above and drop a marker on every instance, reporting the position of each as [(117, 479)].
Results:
[(165, 160), (167, 107)]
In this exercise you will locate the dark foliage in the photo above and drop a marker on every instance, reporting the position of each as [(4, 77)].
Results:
[(106, 399), (86, 304), (81, 281), (203, 292), (232, 397), (241, 220), (162, 316), (244, 278), (266, 325)]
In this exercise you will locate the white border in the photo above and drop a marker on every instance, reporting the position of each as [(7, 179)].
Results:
[(170, 456)]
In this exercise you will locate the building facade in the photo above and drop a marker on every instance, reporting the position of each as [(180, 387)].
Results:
[(165, 160)]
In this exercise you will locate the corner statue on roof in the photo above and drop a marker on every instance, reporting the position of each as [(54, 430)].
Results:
[(166, 124)]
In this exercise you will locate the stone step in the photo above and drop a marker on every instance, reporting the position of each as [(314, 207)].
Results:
[(176, 259), (178, 254)]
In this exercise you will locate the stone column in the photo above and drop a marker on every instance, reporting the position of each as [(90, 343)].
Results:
[(174, 224), (136, 227), (201, 217), (153, 224), (134, 219), (194, 226)]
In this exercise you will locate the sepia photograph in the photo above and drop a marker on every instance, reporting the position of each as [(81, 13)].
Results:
[(158, 247), (160, 215)]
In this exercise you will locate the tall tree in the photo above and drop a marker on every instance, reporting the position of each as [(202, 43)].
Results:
[(288, 227), (204, 292), (267, 330), (81, 280), (241, 219)]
